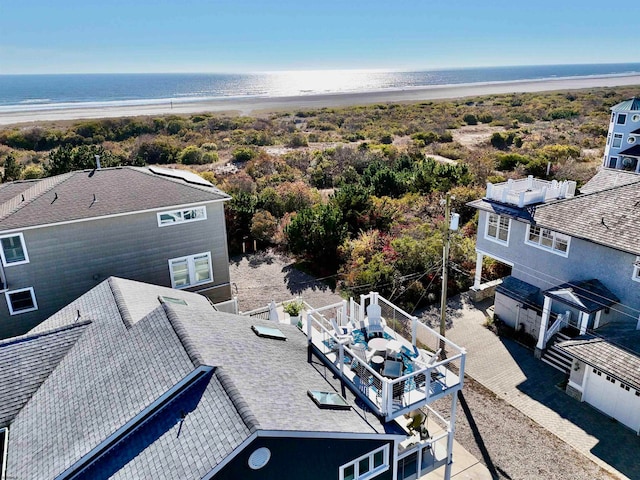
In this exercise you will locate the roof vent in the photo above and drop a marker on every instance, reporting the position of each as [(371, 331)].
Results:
[(97, 162)]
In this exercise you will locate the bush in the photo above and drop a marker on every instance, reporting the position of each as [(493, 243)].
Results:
[(297, 140), (243, 154), (470, 119), (191, 155)]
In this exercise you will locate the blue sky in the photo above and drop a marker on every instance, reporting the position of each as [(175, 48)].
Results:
[(71, 36)]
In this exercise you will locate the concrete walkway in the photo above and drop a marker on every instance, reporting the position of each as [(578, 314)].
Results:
[(513, 374)]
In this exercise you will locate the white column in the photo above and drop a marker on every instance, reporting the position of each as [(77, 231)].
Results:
[(596, 322), (451, 430), (584, 321), (546, 311), (478, 277)]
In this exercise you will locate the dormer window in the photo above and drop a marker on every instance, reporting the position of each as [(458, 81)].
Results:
[(636, 270), (622, 118)]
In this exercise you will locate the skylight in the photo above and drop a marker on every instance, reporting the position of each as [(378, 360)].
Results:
[(268, 332), (179, 301), (329, 400)]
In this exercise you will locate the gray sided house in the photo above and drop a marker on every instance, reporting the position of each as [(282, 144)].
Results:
[(63, 235), (133, 380), (575, 266)]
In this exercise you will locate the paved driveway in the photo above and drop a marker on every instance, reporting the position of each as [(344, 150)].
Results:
[(513, 374)]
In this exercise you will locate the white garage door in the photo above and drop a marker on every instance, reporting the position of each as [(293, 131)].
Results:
[(614, 398)]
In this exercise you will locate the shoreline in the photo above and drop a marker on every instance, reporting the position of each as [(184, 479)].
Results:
[(256, 105)]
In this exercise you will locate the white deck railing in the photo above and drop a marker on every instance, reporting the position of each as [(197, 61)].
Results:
[(529, 191), (388, 397)]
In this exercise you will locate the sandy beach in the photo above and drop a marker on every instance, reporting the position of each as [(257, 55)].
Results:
[(255, 105)]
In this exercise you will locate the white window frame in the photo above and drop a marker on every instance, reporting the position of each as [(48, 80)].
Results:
[(9, 304), (3, 452), (497, 237), (179, 216), (616, 162), (190, 259), (624, 119), (551, 234), (636, 270), (617, 136), (24, 250), (373, 472), (635, 118)]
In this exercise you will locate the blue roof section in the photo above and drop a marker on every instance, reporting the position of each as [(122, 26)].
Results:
[(591, 295), (631, 105)]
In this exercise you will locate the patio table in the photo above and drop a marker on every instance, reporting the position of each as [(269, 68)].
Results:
[(392, 369), (378, 344), (377, 362)]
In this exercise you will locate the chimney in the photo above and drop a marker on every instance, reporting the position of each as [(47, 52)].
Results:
[(97, 162)]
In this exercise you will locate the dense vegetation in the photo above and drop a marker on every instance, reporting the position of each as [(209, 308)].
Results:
[(353, 192)]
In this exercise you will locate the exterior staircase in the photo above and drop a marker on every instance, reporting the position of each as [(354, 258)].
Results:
[(554, 356)]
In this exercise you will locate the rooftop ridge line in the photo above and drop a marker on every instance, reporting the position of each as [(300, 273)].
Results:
[(242, 406), (47, 184), (121, 303), (183, 335), (27, 337)]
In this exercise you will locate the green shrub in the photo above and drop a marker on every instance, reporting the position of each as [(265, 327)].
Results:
[(243, 154), (470, 119)]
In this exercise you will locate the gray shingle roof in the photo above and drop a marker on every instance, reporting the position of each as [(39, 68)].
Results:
[(524, 292), (11, 189), (118, 190), (606, 356), (26, 362), (633, 104), (133, 350), (609, 217), (591, 295), (609, 178)]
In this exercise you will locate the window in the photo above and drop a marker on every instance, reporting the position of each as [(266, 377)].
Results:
[(636, 270), (13, 250), (182, 216), (636, 118), (191, 270), (617, 140), (548, 239), (622, 118), (498, 228), (613, 162), (21, 301), (367, 466), (631, 139)]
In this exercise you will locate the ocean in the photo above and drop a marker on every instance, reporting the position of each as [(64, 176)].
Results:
[(45, 92)]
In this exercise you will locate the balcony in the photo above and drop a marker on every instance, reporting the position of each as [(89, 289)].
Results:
[(529, 191), (389, 392)]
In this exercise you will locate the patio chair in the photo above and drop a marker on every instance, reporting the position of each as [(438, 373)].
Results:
[(343, 335), (374, 315), (425, 360), (361, 353)]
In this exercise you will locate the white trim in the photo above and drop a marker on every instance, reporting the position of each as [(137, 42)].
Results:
[(124, 430), (190, 270), (374, 472), (230, 457), (496, 239), (7, 293), (636, 270), (551, 249), (611, 158), (635, 117), (179, 216), (631, 139), (113, 215), (618, 122), (495, 257), (613, 140), (332, 435), (3, 454), (24, 250)]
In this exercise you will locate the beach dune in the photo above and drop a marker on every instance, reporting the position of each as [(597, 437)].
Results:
[(255, 105)]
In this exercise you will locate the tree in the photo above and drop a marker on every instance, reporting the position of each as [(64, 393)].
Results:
[(354, 201), (191, 155), (12, 169), (316, 233), (67, 159), (263, 226)]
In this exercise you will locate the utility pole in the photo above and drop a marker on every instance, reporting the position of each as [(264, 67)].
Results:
[(445, 261)]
